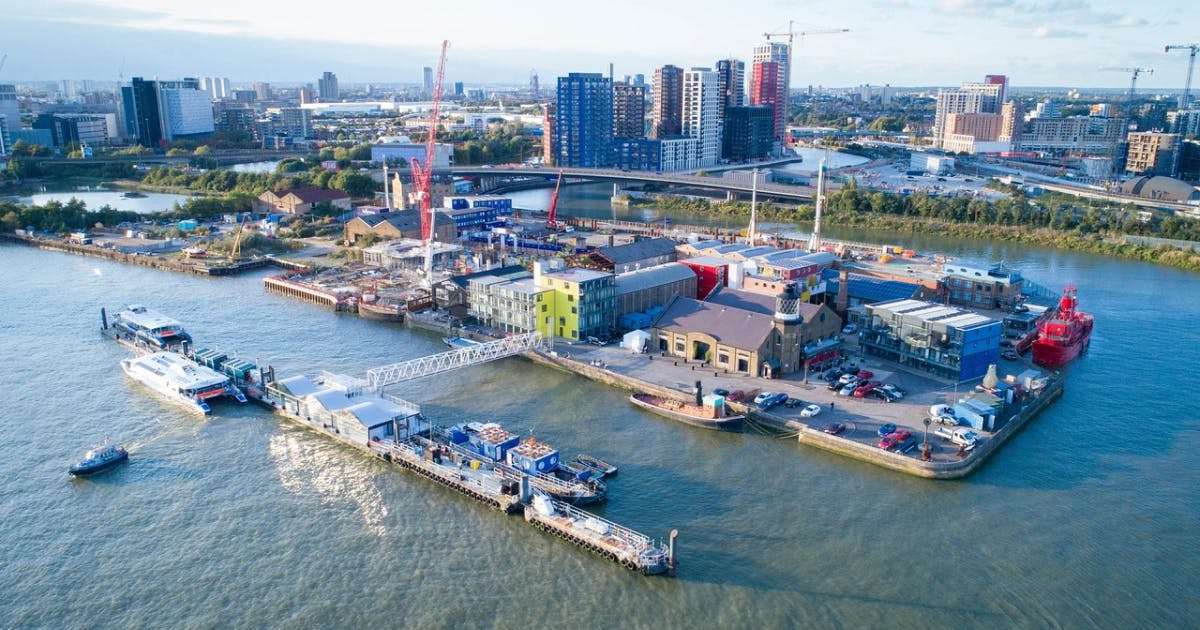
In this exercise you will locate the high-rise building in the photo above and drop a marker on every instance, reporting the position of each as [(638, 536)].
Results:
[(1000, 80), (427, 82), (296, 122), (262, 91), (667, 117), (1153, 153), (10, 114), (629, 111), (327, 88), (584, 120), (160, 111), (84, 129), (701, 101), (1185, 122), (748, 132), (549, 137), (458, 88), (969, 98), (764, 90), (1073, 134), (775, 53), (306, 94), (639, 80), (731, 83), (217, 87)]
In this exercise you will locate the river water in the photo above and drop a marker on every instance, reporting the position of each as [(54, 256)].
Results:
[(97, 198), (1086, 518)]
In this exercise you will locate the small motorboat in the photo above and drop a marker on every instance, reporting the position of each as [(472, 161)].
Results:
[(100, 458), (595, 463)]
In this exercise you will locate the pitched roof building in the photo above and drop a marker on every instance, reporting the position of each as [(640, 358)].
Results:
[(300, 200)]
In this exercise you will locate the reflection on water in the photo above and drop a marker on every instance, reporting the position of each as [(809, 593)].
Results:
[(334, 475)]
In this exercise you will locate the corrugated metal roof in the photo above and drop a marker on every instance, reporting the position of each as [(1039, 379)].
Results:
[(638, 250), (708, 261), (655, 276)]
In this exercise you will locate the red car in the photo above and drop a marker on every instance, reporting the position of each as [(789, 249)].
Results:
[(890, 440), (735, 395), (865, 374), (863, 390)]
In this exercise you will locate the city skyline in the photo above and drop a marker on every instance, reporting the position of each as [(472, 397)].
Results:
[(899, 42)]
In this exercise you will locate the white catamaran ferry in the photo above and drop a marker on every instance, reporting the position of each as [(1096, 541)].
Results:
[(179, 379), (150, 327)]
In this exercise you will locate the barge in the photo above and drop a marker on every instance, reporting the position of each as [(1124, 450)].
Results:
[(633, 550), (710, 414)]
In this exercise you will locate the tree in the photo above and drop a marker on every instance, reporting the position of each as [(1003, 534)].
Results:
[(203, 149), (354, 184)]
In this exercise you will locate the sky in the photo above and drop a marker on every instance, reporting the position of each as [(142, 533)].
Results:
[(897, 42)]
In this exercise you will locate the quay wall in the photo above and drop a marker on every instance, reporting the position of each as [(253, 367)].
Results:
[(163, 263)]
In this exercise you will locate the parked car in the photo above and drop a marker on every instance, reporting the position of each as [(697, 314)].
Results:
[(893, 439), (773, 401), (965, 438), (762, 397), (939, 410), (850, 329), (848, 390), (892, 389), (792, 403), (866, 374), (720, 391), (886, 429), (810, 411), (835, 429), (735, 396), (944, 433), (833, 386), (846, 379), (862, 390), (906, 445), (881, 394), (946, 419)]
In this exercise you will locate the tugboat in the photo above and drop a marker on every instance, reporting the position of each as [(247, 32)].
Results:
[(100, 458), (1062, 337)]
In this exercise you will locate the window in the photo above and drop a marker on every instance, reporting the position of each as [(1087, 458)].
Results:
[(722, 358), (573, 310), (562, 321), (678, 345), (543, 308), (570, 298)]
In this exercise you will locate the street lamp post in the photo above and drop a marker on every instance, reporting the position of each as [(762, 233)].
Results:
[(925, 455)]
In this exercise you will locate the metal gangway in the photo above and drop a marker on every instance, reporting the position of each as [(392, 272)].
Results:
[(381, 377)]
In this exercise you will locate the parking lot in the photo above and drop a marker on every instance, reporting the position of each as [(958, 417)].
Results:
[(893, 177), (862, 417)]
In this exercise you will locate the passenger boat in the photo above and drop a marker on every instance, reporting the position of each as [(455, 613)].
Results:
[(1062, 337), (181, 380), (458, 343), (602, 467), (536, 460), (100, 458), (712, 414), (149, 327)]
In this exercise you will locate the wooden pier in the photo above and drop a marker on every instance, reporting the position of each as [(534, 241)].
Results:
[(306, 293)]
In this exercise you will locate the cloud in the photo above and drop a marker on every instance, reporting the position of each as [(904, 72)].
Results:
[(1045, 32), (1129, 21), (974, 7)]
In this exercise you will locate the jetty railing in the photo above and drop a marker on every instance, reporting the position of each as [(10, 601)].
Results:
[(381, 377)]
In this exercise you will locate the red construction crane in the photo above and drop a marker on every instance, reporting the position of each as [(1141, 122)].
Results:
[(422, 173), (550, 222)]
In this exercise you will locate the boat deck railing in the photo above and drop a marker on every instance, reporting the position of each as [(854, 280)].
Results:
[(649, 550), (542, 479)]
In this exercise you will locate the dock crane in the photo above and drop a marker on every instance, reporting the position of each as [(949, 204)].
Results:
[(550, 220), (1187, 86), (235, 250)]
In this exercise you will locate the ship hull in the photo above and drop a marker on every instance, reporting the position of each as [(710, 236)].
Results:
[(1052, 356), (647, 402), (381, 313)]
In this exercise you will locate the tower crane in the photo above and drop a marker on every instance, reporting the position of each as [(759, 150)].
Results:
[(551, 221), (1187, 86), (791, 34), (1134, 73), (4, 58), (422, 173)]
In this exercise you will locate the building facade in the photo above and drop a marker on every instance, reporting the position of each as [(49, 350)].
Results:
[(701, 102), (583, 305), (584, 121), (731, 83), (747, 133), (991, 287), (944, 341), (327, 88), (629, 111), (667, 115), (771, 82), (1153, 153), (83, 129), (1072, 135)]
